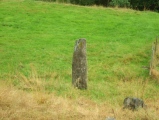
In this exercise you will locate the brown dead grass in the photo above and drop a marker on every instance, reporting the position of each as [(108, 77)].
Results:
[(21, 105), (154, 65), (17, 104), (155, 74)]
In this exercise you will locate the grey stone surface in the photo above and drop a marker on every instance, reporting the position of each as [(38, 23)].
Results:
[(110, 118), (133, 103), (79, 65)]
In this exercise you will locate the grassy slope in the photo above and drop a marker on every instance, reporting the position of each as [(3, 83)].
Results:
[(36, 47)]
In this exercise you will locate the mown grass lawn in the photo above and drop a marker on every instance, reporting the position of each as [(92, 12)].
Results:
[(37, 41)]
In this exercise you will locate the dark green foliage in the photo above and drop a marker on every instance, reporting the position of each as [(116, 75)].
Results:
[(82, 2), (62, 1), (145, 4), (102, 2), (135, 4), (120, 3)]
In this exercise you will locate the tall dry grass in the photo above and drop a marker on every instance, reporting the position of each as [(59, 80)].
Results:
[(19, 104), (154, 64), (30, 100)]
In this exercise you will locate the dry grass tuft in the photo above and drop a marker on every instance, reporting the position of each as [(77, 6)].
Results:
[(155, 74), (154, 69)]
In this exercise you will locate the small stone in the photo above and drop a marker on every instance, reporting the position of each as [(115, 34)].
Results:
[(110, 118), (133, 103)]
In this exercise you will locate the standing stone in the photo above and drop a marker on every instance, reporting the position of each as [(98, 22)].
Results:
[(79, 65)]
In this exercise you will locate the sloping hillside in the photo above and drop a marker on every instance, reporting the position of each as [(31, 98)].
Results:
[(36, 48)]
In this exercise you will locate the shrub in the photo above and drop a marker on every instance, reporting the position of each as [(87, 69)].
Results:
[(120, 3), (83, 2)]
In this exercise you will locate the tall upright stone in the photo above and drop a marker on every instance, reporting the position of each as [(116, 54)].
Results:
[(79, 65)]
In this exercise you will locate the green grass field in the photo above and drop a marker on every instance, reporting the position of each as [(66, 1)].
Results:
[(36, 48)]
